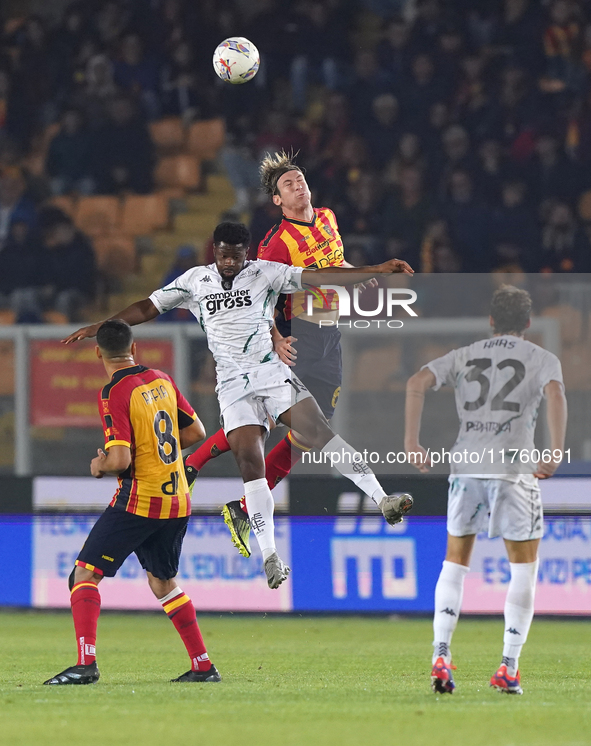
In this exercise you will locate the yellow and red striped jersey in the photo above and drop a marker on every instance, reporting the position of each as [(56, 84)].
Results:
[(143, 409), (311, 245)]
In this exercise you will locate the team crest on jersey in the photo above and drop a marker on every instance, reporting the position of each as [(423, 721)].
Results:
[(329, 230)]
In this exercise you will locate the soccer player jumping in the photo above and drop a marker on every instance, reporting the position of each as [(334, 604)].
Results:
[(147, 422), (234, 301), (305, 237), (499, 384)]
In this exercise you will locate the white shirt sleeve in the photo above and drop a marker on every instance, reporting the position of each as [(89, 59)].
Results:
[(175, 295), (444, 369), (283, 277), (551, 371)]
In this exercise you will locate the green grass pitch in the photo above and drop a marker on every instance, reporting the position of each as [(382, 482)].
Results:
[(294, 681)]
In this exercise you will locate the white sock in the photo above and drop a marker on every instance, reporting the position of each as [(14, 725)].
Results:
[(260, 506), (519, 611), (169, 596), (351, 465), (448, 603)]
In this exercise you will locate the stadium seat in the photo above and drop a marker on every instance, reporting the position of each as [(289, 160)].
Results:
[(206, 138), (65, 204), (571, 322), (98, 216), (168, 134), (54, 317), (116, 255), (178, 171), (576, 364), (378, 369), (7, 317), (6, 364), (144, 213), (585, 206)]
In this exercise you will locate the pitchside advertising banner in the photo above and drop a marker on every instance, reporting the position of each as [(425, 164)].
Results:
[(339, 564)]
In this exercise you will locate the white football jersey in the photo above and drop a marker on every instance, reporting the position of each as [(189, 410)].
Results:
[(238, 320), (499, 384)]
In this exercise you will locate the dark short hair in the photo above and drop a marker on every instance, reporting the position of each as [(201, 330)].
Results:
[(232, 234), (510, 309), (114, 337)]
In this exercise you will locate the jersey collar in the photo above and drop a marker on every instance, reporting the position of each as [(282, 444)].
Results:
[(302, 222)]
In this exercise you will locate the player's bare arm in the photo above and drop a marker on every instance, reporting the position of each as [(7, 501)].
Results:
[(355, 275), (416, 387), (136, 313), (192, 434), (556, 416), (111, 464)]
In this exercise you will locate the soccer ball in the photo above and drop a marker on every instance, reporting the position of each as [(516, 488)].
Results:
[(236, 60)]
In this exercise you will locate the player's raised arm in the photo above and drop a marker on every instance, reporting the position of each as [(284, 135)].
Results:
[(136, 313), (354, 275), (556, 416), (416, 387)]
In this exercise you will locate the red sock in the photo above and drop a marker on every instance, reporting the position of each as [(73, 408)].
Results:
[(86, 607), (280, 461), (212, 448), (181, 612)]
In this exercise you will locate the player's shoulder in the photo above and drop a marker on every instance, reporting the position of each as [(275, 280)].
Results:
[(273, 244)]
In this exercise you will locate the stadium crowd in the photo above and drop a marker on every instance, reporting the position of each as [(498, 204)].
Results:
[(453, 134)]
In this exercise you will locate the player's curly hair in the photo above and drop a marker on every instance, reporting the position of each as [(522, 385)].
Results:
[(273, 167), (510, 309)]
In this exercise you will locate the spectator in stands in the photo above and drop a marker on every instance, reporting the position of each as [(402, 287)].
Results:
[(394, 52), (418, 95), (124, 151), (97, 90), (69, 160), (515, 236), (491, 171), (322, 45), (185, 259), (383, 129), (405, 213), (21, 273), (565, 246), (184, 93), (69, 266), (15, 206), (369, 81), (562, 48), (239, 159), (358, 221), (408, 153), (550, 173), (455, 155), (138, 73), (469, 223)]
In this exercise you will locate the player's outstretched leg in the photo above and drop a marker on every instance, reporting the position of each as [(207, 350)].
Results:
[(211, 448), (180, 610), (351, 464), (519, 613), (85, 600), (448, 603)]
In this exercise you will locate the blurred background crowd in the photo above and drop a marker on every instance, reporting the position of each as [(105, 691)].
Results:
[(453, 134)]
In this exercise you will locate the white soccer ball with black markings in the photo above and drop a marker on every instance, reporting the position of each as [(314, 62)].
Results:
[(236, 60)]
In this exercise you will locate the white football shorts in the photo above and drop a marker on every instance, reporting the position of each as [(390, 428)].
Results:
[(257, 397), (512, 510)]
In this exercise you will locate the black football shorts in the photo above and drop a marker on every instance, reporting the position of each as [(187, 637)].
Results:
[(157, 543), (319, 363)]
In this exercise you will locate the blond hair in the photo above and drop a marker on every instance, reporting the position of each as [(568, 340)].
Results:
[(273, 167)]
